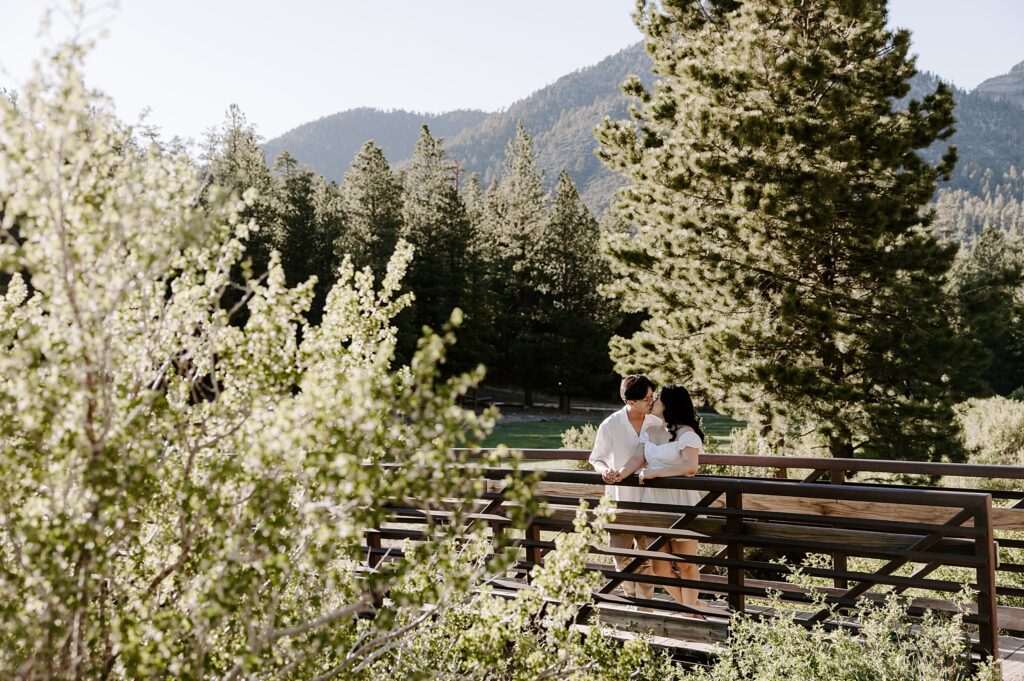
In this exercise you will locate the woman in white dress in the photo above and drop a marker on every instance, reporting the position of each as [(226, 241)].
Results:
[(679, 456)]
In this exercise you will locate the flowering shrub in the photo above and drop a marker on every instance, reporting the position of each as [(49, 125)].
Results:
[(887, 646), (579, 437), (184, 489), (993, 430)]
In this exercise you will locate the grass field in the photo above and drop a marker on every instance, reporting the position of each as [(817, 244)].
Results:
[(547, 434)]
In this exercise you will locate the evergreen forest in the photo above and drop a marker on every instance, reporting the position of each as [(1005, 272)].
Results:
[(526, 252)]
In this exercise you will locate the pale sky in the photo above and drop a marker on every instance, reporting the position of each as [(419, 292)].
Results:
[(286, 63)]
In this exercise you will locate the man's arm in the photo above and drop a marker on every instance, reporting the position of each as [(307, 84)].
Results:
[(600, 456), (609, 475)]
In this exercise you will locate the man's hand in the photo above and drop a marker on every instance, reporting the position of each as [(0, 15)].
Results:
[(610, 476)]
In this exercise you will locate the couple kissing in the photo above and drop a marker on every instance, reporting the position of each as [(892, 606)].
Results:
[(654, 436)]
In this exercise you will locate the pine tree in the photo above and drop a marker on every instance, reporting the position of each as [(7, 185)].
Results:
[(475, 200), (985, 282), (781, 249), (235, 161), (575, 319), (312, 220), (514, 226), (481, 332), (371, 198), (435, 223)]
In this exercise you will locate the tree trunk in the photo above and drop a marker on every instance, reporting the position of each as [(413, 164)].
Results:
[(563, 403), (528, 394), (840, 447)]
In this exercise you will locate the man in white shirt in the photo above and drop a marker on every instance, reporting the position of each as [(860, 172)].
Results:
[(618, 437)]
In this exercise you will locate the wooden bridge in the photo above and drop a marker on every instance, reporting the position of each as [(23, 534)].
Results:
[(751, 521)]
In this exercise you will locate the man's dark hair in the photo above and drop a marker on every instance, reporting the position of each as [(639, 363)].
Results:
[(634, 387)]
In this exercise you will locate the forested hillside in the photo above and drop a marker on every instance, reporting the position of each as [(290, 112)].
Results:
[(561, 118), (1009, 86), (329, 144), (989, 137)]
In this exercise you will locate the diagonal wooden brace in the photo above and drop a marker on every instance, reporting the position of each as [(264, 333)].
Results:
[(922, 544)]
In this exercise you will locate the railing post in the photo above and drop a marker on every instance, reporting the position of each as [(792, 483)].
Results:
[(497, 537), (985, 550), (734, 551), (534, 554), (838, 477), (372, 544), (373, 558)]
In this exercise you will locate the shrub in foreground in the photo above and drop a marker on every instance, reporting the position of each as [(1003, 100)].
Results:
[(184, 488)]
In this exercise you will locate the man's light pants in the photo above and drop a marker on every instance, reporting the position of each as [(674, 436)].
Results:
[(624, 540)]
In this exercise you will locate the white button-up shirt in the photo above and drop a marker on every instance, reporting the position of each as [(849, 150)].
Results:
[(615, 444)]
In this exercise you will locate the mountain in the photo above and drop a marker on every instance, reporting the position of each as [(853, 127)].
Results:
[(989, 138), (1008, 87), (561, 118), (328, 144)]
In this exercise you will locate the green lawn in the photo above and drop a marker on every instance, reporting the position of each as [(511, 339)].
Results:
[(535, 434), (547, 434)]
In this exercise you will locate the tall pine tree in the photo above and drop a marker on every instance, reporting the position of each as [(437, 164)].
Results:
[(986, 282), (371, 197), (312, 220), (514, 226), (235, 161), (781, 250), (574, 319), (435, 223), (481, 332)]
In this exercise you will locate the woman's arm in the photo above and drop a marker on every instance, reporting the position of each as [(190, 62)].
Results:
[(686, 465), (635, 463)]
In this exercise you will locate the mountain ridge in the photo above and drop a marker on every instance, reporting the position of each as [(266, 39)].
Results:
[(561, 117), (1008, 86), (329, 143)]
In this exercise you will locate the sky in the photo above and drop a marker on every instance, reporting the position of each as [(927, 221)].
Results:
[(286, 63)]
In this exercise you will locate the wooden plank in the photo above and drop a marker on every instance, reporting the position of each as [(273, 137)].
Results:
[(668, 626), (1002, 518), (960, 470), (710, 526), (734, 552), (985, 579), (1010, 618)]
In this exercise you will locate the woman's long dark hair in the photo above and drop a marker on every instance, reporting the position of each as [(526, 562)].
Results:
[(679, 410)]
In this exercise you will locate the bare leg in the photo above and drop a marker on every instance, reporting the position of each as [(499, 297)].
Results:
[(663, 568), (679, 570), (621, 540), (644, 590), (690, 571)]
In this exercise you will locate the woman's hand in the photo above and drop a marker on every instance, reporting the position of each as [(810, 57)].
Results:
[(644, 475)]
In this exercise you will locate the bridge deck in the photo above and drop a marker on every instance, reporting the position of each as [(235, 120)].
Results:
[(921, 543)]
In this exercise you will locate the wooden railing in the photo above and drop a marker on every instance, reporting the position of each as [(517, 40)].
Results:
[(910, 533), (1007, 512)]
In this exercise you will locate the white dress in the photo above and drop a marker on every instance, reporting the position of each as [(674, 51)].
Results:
[(660, 456)]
